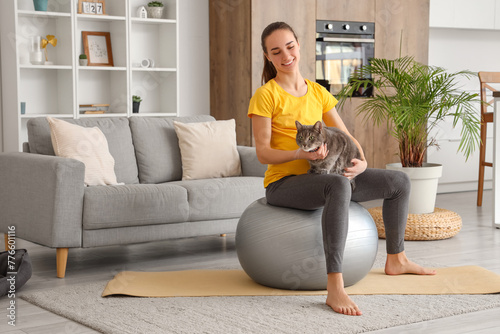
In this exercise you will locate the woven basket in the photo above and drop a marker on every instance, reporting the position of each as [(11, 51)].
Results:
[(441, 224)]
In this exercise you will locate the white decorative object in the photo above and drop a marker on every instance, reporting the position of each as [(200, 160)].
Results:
[(142, 12), (83, 62), (36, 54), (147, 62), (155, 12), (424, 183)]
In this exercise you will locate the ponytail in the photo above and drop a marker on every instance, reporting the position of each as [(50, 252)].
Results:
[(269, 71)]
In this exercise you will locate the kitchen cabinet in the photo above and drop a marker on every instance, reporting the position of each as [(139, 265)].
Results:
[(339, 10), (465, 14), (401, 28)]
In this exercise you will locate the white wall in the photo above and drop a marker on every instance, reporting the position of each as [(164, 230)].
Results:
[(194, 54), (455, 50), (1, 120)]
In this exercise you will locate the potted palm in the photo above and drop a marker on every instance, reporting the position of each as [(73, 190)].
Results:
[(413, 99)]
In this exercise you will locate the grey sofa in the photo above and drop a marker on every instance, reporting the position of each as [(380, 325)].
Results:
[(44, 196)]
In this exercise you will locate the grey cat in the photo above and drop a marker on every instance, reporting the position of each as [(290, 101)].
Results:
[(341, 148)]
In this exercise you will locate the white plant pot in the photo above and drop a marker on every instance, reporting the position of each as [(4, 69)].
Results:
[(83, 62), (155, 12), (424, 183)]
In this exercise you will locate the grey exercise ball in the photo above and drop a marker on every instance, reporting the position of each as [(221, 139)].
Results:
[(283, 248)]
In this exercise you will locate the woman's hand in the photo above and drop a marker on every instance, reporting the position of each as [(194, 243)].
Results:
[(320, 154), (358, 167)]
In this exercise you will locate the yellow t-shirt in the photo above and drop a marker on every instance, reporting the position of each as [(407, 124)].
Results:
[(272, 101)]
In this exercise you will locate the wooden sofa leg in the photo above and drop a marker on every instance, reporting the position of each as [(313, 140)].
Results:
[(61, 260)]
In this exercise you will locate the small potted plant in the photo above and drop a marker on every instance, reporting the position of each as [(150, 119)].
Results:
[(155, 9), (83, 60), (136, 102)]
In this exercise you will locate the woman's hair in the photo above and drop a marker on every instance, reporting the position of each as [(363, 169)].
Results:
[(269, 71)]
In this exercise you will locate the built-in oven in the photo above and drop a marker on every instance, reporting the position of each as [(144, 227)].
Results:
[(342, 47)]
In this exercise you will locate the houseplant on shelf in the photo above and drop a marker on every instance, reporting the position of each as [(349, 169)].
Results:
[(83, 60), (155, 9), (136, 103), (413, 99)]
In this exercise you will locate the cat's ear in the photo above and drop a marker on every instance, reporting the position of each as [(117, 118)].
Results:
[(318, 126), (298, 125)]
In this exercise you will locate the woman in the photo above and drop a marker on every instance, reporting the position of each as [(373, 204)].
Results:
[(285, 97)]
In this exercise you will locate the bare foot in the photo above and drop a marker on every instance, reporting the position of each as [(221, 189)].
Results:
[(398, 264), (337, 298)]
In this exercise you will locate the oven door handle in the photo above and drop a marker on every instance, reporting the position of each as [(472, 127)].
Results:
[(345, 40)]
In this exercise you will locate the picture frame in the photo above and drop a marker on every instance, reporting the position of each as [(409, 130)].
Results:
[(92, 7), (97, 47)]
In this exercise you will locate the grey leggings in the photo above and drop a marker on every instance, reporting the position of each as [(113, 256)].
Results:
[(313, 191)]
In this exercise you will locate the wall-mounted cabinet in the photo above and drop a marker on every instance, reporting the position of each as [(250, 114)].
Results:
[(338, 10), (465, 14), (59, 88)]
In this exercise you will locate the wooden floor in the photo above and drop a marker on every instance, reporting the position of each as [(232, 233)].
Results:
[(478, 243)]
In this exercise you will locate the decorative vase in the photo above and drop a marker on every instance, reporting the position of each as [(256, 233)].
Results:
[(83, 62), (135, 107), (40, 5), (36, 54), (155, 12), (424, 183)]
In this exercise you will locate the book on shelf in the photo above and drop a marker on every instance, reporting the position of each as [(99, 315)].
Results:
[(87, 112), (93, 108)]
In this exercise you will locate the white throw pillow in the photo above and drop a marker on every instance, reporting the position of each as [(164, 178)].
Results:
[(208, 149), (88, 145)]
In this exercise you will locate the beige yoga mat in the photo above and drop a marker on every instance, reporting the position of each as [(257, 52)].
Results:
[(204, 283)]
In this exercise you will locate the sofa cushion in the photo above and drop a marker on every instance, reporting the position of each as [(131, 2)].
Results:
[(134, 205), (221, 198), (157, 148), (208, 149), (88, 145), (116, 130)]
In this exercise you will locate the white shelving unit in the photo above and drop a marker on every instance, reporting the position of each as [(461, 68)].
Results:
[(57, 90)]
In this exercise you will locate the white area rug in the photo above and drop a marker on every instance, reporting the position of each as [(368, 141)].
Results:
[(267, 314)]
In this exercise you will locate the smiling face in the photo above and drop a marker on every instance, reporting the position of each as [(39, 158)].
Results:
[(283, 50)]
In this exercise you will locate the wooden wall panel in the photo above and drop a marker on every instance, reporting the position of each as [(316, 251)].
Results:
[(407, 18), (230, 64), (393, 18), (362, 131), (346, 10)]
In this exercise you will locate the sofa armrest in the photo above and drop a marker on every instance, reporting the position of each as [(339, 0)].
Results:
[(42, 196), (250, 165)]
